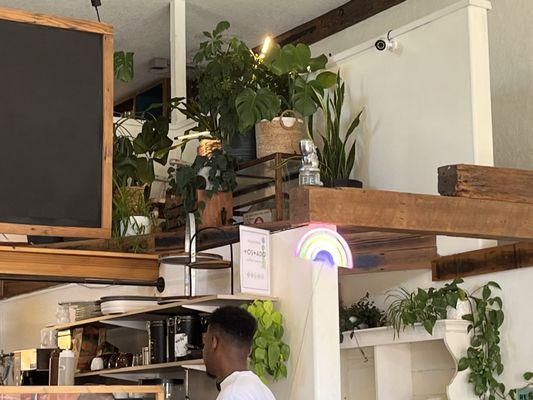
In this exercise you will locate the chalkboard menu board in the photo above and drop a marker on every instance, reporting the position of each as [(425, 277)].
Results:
[(55, 125)]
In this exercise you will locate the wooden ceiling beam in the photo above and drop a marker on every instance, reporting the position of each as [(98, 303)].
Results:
[(334, 21), (412, 213)]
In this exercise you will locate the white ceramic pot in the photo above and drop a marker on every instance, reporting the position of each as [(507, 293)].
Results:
[(136, 225), (205, 173), (462, 308)]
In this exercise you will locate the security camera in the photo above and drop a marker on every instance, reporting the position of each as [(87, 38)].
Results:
[(386, 44), (381, 45)]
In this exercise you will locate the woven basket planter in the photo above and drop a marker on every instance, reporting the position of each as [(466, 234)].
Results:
[(281, 135)]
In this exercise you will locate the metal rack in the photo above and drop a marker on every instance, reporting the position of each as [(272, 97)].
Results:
[(267, 178)]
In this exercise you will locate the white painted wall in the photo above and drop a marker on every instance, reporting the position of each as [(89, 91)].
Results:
[(511, 64), (427, 104)]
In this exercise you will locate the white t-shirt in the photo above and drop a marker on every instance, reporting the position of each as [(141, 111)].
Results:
[(244, 385)]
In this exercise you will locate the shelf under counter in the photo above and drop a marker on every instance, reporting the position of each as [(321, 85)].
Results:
[(151, 368), (202, 303)]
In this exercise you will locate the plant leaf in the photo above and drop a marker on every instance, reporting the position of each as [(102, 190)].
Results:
[(273, 355), (254, 106), (463, 364), (123, 66), (326, 79), (428, 325)]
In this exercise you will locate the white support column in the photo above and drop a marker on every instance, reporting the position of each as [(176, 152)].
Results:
[(178, 54), (308, 293)]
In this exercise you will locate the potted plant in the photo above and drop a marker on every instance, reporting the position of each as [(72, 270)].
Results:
[(132, 214), (205, 188), (483, 357), (224, 66), (301, 77), (338, 148), (133, 170), (361, 315)]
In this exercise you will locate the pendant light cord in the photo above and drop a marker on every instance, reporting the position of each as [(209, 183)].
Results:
[(96, 4)]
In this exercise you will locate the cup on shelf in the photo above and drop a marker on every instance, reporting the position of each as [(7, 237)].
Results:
[(97, 364)]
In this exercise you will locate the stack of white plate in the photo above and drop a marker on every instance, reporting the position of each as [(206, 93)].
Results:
[(122, 304)]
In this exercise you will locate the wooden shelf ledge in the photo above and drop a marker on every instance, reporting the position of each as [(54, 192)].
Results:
[(148, 313), (35, 261), (152, 368), (386, 335), (379, 210)]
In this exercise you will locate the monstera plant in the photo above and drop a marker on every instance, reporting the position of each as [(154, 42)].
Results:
[(303, 75)]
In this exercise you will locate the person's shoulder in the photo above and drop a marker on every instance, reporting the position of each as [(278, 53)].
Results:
[(247, 385)]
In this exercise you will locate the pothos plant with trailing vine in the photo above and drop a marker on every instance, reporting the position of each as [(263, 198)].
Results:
[(269, 353), (483, 357)]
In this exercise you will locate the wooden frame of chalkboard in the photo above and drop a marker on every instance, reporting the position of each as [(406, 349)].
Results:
[(102, 225)]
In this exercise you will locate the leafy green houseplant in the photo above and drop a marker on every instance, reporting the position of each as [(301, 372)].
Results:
[(224, 67), (132, 216), (483, 358), (303, 76), (360, 315), (134, 155), (214, 174), (269, 353), (338, 153)]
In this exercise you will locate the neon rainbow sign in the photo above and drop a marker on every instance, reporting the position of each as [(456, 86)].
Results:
[(324, 244)]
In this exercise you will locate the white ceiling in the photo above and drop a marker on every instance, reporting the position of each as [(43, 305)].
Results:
[(142, 26)]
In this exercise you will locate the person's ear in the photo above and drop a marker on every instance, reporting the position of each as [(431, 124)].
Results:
[(214, 342)]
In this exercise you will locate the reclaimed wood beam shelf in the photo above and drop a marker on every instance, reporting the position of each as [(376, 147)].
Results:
[(483, 261), (151, 313), (39, 262), (380, 210)]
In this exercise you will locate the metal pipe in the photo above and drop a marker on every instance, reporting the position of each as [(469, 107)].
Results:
[(159, 283)]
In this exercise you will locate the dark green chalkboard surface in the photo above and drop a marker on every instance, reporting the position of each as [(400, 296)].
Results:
[(53, 136)]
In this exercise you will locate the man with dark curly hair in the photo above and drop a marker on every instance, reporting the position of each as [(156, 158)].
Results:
[(227, 344)]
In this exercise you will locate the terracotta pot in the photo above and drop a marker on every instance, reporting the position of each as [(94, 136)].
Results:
[(281, 135), (216, 207)]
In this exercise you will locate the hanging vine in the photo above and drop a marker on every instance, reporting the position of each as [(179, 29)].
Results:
[(483, 357)]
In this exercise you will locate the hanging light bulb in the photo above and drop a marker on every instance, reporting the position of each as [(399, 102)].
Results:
[(266, 46)]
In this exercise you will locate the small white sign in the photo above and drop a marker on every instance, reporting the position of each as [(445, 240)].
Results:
[(255, 260)]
